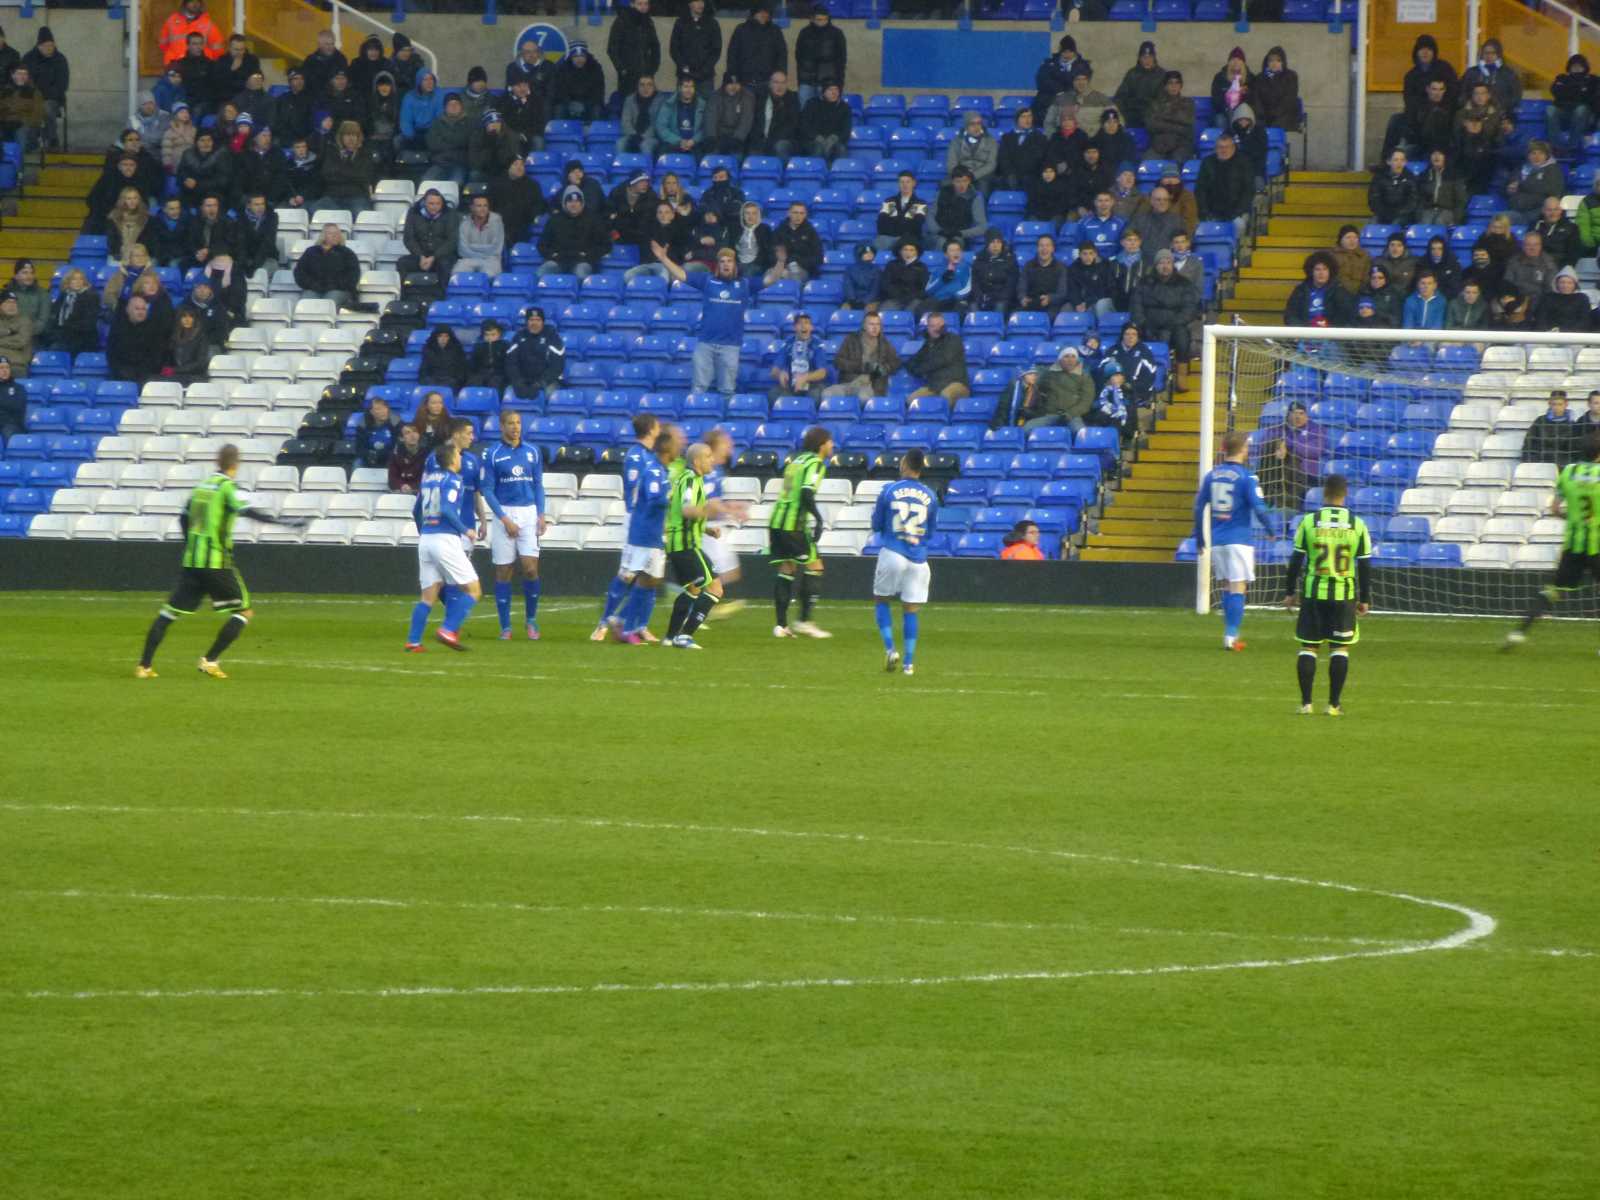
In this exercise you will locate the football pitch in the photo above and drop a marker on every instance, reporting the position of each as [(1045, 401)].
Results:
[(1082, 909)]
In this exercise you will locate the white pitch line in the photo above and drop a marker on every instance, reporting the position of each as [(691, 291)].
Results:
[(662, 910), (1479, 925)]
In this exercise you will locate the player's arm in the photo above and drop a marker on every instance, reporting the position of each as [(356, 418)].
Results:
[(237, 501), (1364, 572), (486, 490), (1201, 499), (1297, 565), (880, 512), (538, 490)]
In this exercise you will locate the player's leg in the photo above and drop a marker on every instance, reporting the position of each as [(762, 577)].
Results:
[(228, 595), (615, 594), (886, 574), (689, 570), (1338, 672), (913, 595), (181, 603), (460, 574), (725, 563), (810, 591), (502, 598), (910, 627), (710, 596), (1569, 577), (1311, 631), (531, 588), (1306, 669), (783, 562), (1344, 633), (641, 601), (430, 582)]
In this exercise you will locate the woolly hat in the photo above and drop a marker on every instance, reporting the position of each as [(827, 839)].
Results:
[(1170, 76), (568, 192), (245, 119), (638, 177), (46, 36), (1365, 302), (490, 118), (477, 75), (578, 48), (401, 42), (1344, 229), (1244, 113), (1068, 42), (1164, 256), (1147, 48)]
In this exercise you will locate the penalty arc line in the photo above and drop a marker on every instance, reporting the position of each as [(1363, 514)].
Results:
[(1479, 925)]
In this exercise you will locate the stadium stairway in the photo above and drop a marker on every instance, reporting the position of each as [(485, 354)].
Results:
[(1314, 205), (49, 212)]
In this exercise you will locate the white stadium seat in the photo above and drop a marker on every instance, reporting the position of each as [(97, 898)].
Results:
[(328, 532), (562, 537), (1536, 556), (369, 479), (51, 525), (126, 501), (373, 533), (1487, 557), (74, 500), (277, 479), (323, 479), (147, 528), (395, 507), (601, 487), (351, 507)]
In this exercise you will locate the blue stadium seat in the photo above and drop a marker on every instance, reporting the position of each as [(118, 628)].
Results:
[(1029, 466), (1068, 493), (25, 500), (1100, 441), (1008, 441), (1050, 438), (958, 439), (984, 465), (1439, 554), (978, 545), (928, 409), (1058, 521), (954, 520), (50, 362), (1078, 465), (91, 365)]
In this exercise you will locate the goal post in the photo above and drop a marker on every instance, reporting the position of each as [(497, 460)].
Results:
[(1429, 427)]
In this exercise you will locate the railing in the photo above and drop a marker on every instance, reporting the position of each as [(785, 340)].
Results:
[(1538, 42), (291, 27)]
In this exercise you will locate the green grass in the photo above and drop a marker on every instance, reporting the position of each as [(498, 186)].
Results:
[(548, 818)]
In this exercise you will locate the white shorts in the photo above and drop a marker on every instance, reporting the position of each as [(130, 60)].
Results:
[(1233, 564), (897, 575), (644, 560), (505, 549), (442, 558), (720, 553)]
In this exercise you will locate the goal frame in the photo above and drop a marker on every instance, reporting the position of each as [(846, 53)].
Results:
[(1215, 336)]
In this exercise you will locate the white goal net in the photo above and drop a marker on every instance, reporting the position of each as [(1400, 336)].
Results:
[(1450, 443)]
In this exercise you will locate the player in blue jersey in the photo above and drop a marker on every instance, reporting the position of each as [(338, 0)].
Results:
[(903, 520), (513, 485), (443, 536), (635, 462), (718, 549), (473, 509), (647, 519), (1234, 496)]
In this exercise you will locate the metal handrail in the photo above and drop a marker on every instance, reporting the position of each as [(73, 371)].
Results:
[(336, 6), (1575, 19)]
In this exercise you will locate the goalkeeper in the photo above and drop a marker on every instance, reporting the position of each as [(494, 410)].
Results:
[(1578, 499), (1333, 551)]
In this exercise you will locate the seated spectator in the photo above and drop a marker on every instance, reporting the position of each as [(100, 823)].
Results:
[(1590, 420), (1562, 241), (905, 279), (1018, 398), (1275, 92), (1225, 189), (22, 111), (206, 169), (1052, 196), (1103, 228), (730, 115), (129, 223), (476, 100), (1055, 74), (444, 360), (1091, 282), (1061, 395), (1165, 306), (1137, 362), (1114, 408), (329, 270), (1484, 270), (108, 189), (639, 121), (492, 147), (1092, 178), (13, 403), (1042, 283), (537, 358), (1067, 143), (1320, 300), (349, 172), (672, 194), (1533, 271), (1425, 307), (666, 231), (50, 74), (256, 237), (825, 123), (1090, 105), (1388, 301), (975, 149), (995, 276), (377, 434), (776, 129), (1587, 218), (1573, 97), (1251, 140), (486, 365), (119, 283), (448, 141), (481, 239), (1350, 262), (342, 102), (575, 240), (681, 121), (1511, 311), (1566, 309), (211, 235), (904, 216), (1232, 86), (957, 211), (950, 287), (133, 352), (796, 247), (861, 279), (799, 364), (753, 251), (940, 364), (262, 168), (865, 361), (1022, 543), (1392, 195), (1442, 263), (433, 421), (1156, 223), (73, 323), (419, 109), (431, 236), (1440, 192), (1181, 199), (303, 176), (723, 197), (16, 334), (1499, 239), (191, 351), (1020, 154), (406, 460), (1469, 310), (1401, 263), (1140, 86), (632, 205), (578, 86), (1554, 435), (1188, 264), (1127, 269), (1491, 71), (1170, 120), (1539, 177), (518, 199), (158, 303), (178, 137)]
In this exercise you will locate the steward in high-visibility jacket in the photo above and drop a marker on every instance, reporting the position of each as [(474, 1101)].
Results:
[(191, 17)]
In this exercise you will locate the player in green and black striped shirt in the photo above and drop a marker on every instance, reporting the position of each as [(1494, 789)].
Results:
[(687, 510), (1333, 552), (208, 570), (1578, 499), (793, 530)]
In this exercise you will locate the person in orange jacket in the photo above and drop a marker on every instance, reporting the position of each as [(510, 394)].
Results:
[(1023, 543), (191, 17)]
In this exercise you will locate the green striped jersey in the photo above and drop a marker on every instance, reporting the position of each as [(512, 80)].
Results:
[(805, 470), (1578, 485), (211, 509), (688, 491), (1332, 539)]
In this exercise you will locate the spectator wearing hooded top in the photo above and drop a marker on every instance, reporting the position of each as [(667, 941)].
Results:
[(861, 278), (957, 211), (1042, 282), (776, 128), (1387, 300), (1485, 270), (1021, 153), (431, 236), (444, 360), (696, 44), (1491, 69), (518, 199), (578, 87), (51, 76), (632, 204), (1426, 66), (905, 279), (1564, 309), (995, 276), (633, 46), (730, 115), (1275, 92), (752, 243), (825, 123), (1140, 85), (1319, 299), (419, 109), (1091, 282), (1392, 192), (1538, 177), (1574, 98), (1170, 121), (537, 357), (575, 239), (975, 149), (1056, 73), (1441, 194), (820, 54), (757, 50), (903, 216), (1562, 241), (383, 116), (486, 364), (1442, 264)]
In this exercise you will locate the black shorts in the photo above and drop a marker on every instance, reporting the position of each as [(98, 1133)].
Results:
[(791, 545), (222, 584), (1573, 567), (1331, 621), (689, 567)]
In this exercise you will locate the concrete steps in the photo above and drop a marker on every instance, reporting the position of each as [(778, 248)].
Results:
[(50, 212)]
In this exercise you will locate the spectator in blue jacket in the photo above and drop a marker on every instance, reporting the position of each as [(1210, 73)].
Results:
[(680, 120), (861, 278), (949, 287), (800, 364), (1425, 307), (419, 110)]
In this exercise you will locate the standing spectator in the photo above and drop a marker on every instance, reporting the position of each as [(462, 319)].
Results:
[(1054, 76), (720, 333), (1538, 177), (1392, 193), (329, 270), (1103, 227), (481, 239), (1166, 307), (575, 240), (128, 224), (1587, 218), (22, 113), (369, 64), (406, 461), (350, 172), (639, 120), (957, 211), (1469, 310), (431, 236), (1565, 309), (211, 236), (730, 115), (303, 175), (476, 100), (1426, 67), (231, 72), (419, 109), (523, 109), (1430, 125), (1484, 270), (148, 119), (1021, 154), (74, 321), (995, 276), (757, 51), (376, 434), (537, 358), (975, 149), (1226, 189), (1170, 121), (1275, 93), (903, 216), (681, 120), (16, 333), (1116, 146), (1293, 459), (191, 17), (1573, 102), (696, 45), (1589, 422), (578, 88), (433, 421), (320, 66), (444, 359), (486, 365), (1553, 437), (490, 148), (825, 123), (865, 361), (448, 141), (256, 237), (800, 363), (1533, 271), (1477, 140), (777, 121), (820, 54), (194, 72), (179, 137), (1127, 269), (1230, 87), (940, 364), (133, 353), (383, 117), (797, 247), (1063, 395), (206, 169), (1425, 307), (633, 47), (1140, 86), (518, 199), (1562, 241), (905, 280), (1491, 69), (1042, 281), (1441, 195)]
